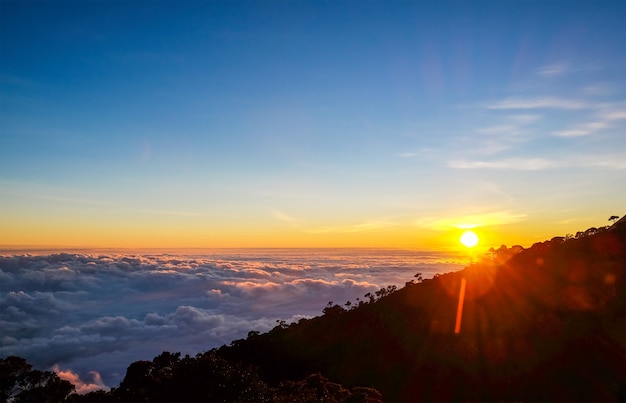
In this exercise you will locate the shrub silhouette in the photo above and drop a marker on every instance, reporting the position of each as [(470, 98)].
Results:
[(19, 382)]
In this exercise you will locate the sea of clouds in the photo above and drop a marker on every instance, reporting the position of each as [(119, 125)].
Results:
[(88, 316)]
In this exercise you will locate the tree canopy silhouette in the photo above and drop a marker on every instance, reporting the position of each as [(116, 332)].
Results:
[(19, 382)]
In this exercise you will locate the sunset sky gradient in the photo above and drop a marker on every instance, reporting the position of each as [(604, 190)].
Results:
[(309, 124)]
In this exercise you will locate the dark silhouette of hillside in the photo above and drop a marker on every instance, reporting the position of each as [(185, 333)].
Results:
[(547, 323)]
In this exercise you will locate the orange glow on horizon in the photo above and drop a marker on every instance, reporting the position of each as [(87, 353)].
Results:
[(137, 231)]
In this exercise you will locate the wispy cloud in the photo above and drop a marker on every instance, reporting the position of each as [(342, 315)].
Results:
[(525, 118), (597, 89), (512, 125), (499, 129), (471, 220), (508, 132), (58, 198), (416, 153), (376, 225), (523, 164), (176, 213), (36, 191), (552, 70), (581, 130), (537, 103), (517, 129), (279, 215), (615, 114), (609, 161), (607, 118), (605, 161)]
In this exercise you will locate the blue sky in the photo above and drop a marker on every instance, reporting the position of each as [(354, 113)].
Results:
[(309, 123)]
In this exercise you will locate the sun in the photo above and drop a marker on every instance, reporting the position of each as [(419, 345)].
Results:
[(469, 239)]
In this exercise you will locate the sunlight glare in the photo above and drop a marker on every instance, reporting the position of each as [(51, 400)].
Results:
[(469, 239)]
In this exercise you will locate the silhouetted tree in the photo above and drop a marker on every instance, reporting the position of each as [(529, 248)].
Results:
[(20, 383), (253, 333), (613, 218), (332, 310), (206, 377)]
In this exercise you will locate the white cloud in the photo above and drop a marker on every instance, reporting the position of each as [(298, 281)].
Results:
[(472, 220), (615, 115), (374, 225), (523, 164), (525, 119), (608, 161), (537, 103), (82, 386), (607, 118), (582, 130), (501, 129), (552, 70), (86, 312), (424, 151), (279, 215), (572, 133), (508, 133), (605, 161), (598, 89)]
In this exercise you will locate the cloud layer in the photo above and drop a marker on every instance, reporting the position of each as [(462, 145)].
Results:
[(89, 316), (544, 125)]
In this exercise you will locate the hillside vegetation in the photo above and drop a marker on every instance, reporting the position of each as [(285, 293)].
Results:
[(545, 323)]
